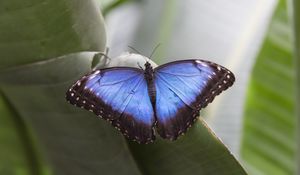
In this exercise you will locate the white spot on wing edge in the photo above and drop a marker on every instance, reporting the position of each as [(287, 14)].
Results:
[(201, 63), (97, 72), (198, 61), (93, 75)]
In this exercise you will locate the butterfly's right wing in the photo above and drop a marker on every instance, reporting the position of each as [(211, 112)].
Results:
[(119, 95), (182, 89)]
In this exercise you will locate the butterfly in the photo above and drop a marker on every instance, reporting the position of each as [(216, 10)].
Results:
[(142, 101)]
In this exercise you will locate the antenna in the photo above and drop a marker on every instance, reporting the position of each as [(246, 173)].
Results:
[(134, 50), (154, 50), (138, 53)]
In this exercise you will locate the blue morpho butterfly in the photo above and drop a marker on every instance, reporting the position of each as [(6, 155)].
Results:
[(138, 100)]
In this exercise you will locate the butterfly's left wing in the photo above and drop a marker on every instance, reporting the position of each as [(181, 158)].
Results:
[(182, 89), (119, 95)]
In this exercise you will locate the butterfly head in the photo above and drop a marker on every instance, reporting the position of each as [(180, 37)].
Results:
[(148, 71), (148, 65)]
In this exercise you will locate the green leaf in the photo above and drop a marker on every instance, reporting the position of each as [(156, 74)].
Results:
[(269, 127), (198, 152), (75, 141), (296, 35), (40, 31), (14, 158), (36, 30)]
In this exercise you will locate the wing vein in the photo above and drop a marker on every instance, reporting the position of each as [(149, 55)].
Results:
[(171, 89), (131, 95), (123, 84), (180, 79), (184, 75), (109, 84)]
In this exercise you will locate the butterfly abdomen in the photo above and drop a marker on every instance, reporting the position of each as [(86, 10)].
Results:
[(149, 76)]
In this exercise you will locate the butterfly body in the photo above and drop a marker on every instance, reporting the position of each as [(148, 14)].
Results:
[(138, 101), (149, 77)]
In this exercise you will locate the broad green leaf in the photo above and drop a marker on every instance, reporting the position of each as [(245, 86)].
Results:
[(13, 143), (296, 35), (269, 127), (198, 152), (75, 141), (35, 30), (35, 33)]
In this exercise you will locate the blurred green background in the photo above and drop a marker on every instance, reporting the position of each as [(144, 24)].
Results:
[(252, 128)]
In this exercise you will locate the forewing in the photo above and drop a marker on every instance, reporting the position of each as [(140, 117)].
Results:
[(119, 95), (182, 89)]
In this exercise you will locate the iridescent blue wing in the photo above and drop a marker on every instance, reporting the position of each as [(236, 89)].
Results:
[(182, 89), (119, 95)]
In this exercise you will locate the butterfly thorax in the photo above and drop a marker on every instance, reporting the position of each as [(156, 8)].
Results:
[(149, 76)]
